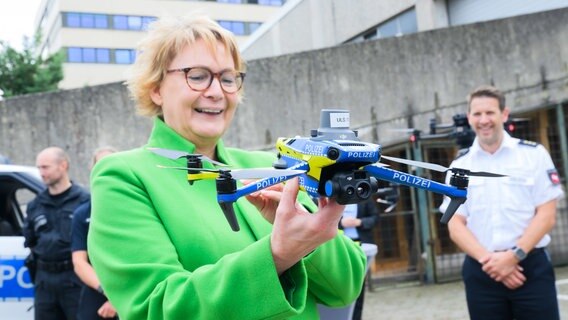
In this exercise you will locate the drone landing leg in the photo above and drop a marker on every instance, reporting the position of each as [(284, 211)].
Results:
[(452, 207), (229, 212)]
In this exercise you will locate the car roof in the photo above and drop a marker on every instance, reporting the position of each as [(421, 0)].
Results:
[(19, 168)]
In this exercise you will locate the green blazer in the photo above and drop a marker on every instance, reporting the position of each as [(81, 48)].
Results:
[(163, 249)]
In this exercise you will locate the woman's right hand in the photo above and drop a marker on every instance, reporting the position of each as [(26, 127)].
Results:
[(297, 232)]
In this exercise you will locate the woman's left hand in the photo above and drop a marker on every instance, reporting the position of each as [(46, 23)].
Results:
[(266, 200)]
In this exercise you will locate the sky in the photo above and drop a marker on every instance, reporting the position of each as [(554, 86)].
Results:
[(16, 20)]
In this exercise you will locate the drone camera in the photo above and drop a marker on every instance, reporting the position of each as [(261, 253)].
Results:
[(351, 187), (332, 153)]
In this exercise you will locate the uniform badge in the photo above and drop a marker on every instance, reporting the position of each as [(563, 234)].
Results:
[(528, 143), (553, 176)]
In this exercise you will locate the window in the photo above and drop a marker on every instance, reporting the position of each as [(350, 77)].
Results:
[(271, 2), (72, 20), (74, 55), (101, 21), (146, 21), (239, 28), (123, 56), (89, 55), (401, 24), (253, 26), (100, 55), (388, 29), (103, 55), (408, 22), (87, 20), (120, 22), (135, 23)]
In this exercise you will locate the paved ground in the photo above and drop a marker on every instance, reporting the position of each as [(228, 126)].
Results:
[(435, 302)]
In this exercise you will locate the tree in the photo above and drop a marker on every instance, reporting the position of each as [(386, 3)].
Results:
[(27, 71)]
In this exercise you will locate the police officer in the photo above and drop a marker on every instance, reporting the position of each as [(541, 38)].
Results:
[(503, 226), (93, 304), (47, 232)]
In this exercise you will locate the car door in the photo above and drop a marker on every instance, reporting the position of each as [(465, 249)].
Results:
[(18, 186)]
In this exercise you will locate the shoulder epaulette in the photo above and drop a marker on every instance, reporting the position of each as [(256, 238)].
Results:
[(528, 143), (462, 152)]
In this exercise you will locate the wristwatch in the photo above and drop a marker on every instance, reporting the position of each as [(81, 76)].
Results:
[(519, 253)]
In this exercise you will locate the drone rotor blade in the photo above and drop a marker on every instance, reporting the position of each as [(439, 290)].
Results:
[(196, 170), (171, 154), (176, 154), (484, 174), (261, 173), (425, 165), (217, 163)]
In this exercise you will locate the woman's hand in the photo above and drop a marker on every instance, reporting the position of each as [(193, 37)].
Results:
[(297, 232), (266, 200)]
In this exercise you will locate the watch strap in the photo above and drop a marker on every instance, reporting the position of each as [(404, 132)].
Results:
[(519, 253)]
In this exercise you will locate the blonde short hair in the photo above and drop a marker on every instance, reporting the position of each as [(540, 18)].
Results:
[(166, 37)]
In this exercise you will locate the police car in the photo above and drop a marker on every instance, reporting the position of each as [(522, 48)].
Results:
[(18, 186)]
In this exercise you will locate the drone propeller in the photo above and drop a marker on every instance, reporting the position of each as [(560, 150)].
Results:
[(238, 174), (437, 167), (176, 154)]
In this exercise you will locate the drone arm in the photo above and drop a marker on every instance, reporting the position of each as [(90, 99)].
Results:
[(226, 199), (253, 187), (457, 195)]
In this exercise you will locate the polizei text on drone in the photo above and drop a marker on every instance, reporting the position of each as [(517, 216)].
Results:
[(270, 181), (411, 179)]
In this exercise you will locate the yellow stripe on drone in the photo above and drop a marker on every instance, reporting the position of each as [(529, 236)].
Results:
[(202, 175), (316, 163)]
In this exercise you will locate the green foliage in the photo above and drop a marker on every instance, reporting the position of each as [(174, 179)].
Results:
[(26, 71)]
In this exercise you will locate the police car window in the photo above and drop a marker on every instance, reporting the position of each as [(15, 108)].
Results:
[(23, 197)]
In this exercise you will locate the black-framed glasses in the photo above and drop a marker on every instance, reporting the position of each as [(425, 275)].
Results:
[(200, 78)]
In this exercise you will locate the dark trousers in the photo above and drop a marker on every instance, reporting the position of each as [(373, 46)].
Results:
[(89, 303), (56, 295), (491, 300)]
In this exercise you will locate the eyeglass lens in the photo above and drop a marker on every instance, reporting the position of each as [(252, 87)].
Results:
[(201, 79)]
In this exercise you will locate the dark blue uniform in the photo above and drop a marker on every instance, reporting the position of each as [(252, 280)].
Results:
[(47, 231), (91, 300)]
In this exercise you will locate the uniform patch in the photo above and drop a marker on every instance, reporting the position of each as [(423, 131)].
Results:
[(554, 176), (528, 143)]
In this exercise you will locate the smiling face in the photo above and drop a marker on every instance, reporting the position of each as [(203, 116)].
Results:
[(486, 119), (202, 117)]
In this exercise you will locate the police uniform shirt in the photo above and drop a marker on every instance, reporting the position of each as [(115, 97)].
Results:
[(498, 210)]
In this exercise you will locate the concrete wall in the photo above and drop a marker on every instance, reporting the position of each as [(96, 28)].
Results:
[(386, 84)]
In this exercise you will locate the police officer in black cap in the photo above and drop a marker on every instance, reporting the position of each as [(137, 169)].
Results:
[(47, 231)]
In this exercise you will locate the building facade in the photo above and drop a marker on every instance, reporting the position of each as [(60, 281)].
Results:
[(98, 38), (304, 25)]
